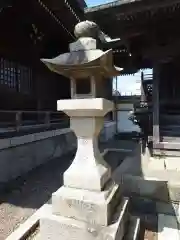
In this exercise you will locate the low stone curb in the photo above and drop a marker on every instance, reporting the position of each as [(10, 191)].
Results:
[(16, 141), (25, 229)]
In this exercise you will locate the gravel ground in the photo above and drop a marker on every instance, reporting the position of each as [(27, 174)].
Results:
[(34, 189)]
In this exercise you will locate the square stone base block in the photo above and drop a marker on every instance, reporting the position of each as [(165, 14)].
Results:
[(53, 227), (84, 205)]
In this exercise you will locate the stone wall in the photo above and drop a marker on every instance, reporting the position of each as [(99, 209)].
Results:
[(21, 158), (18, 155)]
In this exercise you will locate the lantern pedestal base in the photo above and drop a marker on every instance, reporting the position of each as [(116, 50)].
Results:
[(84, 205), (55, 227), (88, 205)]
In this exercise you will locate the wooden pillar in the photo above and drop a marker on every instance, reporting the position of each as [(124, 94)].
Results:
[(116, 107), (143, 96), (156, 106)]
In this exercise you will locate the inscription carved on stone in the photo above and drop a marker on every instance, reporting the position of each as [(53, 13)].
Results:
[(87, 209), (68, 232), (81, 205)]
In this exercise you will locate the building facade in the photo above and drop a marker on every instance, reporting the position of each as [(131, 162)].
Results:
[(29, 31), (150, 39)]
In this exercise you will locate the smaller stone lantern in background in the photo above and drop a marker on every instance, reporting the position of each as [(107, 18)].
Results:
[(83, 208)]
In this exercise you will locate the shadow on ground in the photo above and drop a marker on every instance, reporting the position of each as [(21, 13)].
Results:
[(23, 196), (35, 188), (149, 191)]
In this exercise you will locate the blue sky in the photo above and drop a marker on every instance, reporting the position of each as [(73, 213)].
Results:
[(96, 2), (126, 84)]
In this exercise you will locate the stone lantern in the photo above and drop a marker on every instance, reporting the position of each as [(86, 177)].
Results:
[(83, 207)]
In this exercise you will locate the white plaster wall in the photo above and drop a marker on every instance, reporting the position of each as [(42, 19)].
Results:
[(125, 106)]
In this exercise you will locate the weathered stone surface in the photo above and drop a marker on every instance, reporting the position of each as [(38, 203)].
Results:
[(83, 44), (21, 158), (23, 139), (88, 165), (84, 209), (94, 107), (133, 229), (163, 187), (91, 29), (86, 29), (5, 143), (58, 227), (145, 206), (170, 208), (172, 163), (156, 164), (84, 205), (144, 187), (168, 227)]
